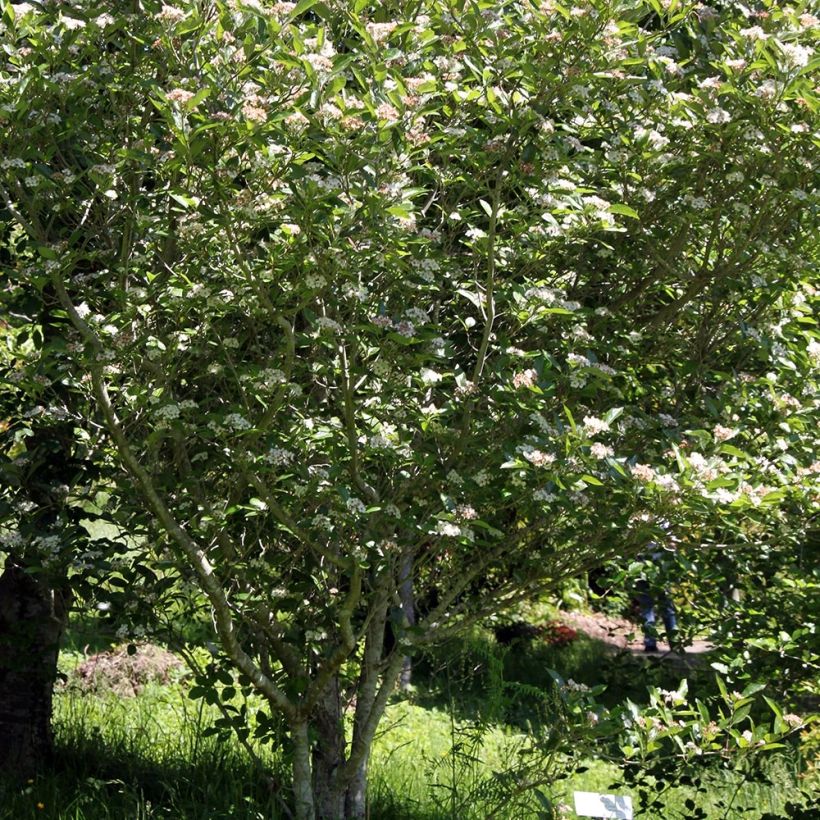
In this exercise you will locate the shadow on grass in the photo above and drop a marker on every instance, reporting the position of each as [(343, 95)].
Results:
[(95, 778), (478, 678)]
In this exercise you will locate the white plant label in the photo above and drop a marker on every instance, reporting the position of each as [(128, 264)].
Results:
[(592, 804)]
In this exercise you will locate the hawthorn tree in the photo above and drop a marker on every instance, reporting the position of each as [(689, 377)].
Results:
[(453, 295)]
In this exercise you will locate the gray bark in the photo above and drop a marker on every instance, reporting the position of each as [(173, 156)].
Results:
[(356, 797), (409, 611), (329, 755), (302, 788)]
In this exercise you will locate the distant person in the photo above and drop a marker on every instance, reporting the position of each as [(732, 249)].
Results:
[(651, 598), (646, 602)]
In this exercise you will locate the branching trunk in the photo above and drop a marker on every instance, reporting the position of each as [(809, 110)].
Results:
[(32, 620)]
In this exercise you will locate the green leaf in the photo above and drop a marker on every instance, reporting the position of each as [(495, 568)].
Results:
[(774, 707), (590, 479), (200, 95), (624, 210), (301, 7), (186, 201)]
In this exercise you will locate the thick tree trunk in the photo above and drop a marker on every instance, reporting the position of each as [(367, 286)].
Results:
[(32, 619)]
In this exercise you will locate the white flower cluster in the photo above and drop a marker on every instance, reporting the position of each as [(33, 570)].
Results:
[(722, 433), (236, 421), (526, 378), (426, 268), (417, 315), (279, 456), (315, 281), (168, 412), (448, 529), (538, 458), (170, 15), (271, 375), (642, 472), (795, 55), (355, 505), (328, 324), (11, 539), (601, 451), (594, 426)]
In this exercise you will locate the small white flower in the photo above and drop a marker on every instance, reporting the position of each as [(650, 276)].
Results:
[(355, 505), (593, 426), (406, 329), (718, 116), (796, 56), (328, 324), (448, 528), (642, 472), (577, 360), (417, 315), (236, 421), (279, 456), (315, 281), (601, 451), (482, 478), (722, 433), (537, 458), (168, 412)]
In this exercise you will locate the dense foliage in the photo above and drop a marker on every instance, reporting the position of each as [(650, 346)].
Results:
[(453, 297)]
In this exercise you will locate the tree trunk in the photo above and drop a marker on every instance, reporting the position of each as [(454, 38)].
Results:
[(329, 755), (409, 612), (302, 787), (356, 797), (32, 620)]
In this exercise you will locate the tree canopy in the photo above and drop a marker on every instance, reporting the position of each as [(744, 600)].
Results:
[(464, 296)]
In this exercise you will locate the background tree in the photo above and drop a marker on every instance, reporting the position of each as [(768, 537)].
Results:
[(453, 287)]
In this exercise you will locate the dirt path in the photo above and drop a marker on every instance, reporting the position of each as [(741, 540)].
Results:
[(621, 634)]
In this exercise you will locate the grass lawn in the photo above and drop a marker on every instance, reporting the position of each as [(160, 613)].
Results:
[(148, 756)]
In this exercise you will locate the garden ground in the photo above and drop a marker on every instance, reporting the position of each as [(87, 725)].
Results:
[(132, 744)]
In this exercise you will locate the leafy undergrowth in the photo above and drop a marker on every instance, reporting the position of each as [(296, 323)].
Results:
[(149, 756)]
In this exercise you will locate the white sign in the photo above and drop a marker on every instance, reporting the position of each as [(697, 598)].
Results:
[(592, 804)]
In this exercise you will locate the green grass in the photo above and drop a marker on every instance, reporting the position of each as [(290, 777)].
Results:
[(147, 757)]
